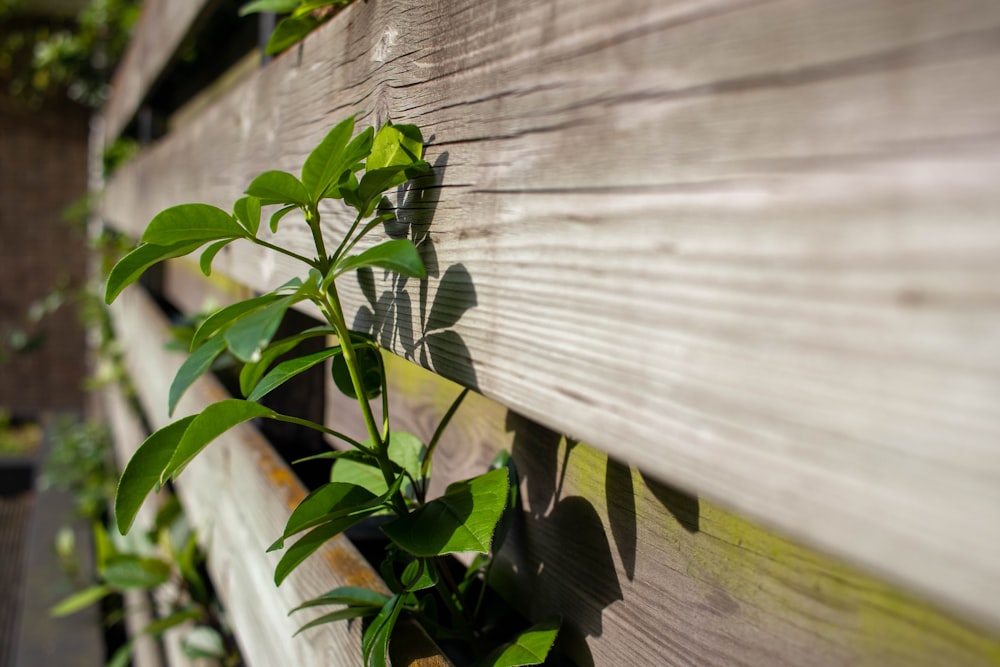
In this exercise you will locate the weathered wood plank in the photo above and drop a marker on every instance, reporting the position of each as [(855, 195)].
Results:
[(162, 26), (747, 247), (644, 572), (238, 495)]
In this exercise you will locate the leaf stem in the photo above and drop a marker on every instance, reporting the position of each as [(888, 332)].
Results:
[(270, 246), (319, 427), (347, 237), (425, 466)]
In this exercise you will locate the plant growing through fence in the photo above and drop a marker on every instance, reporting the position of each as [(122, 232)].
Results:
[(386, 473), (304, 16)]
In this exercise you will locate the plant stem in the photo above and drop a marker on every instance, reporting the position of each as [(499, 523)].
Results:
[(312, 219), (347, 237), (335, 315), (319, 427), (270, 246), (425, 467)]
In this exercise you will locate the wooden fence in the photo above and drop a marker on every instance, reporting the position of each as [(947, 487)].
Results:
[(747, 252)]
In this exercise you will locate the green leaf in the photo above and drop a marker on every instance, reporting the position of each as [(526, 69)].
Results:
[(367, 475), (278, 187), (461, 520), (80, 600), (193, 367), (103, 546), (161, 625), (398, 255), (340, 615), (249, 335), (276, 6), (418, 575), (290, 31), (130, 267), (145, 469), (313, 540), (395, 145), (328, 498), (188, 560), (121, 657), (252, 372), (286, 370), (279, 214), (375, 640), (376, 182), (407, 451), (128, 571), (203, 641), (247, 211), (309, 5), (328, 161), (191, 222), (209, 255), (224, 316), (371, 368), (354, 596), (531, 647), (213, 421)]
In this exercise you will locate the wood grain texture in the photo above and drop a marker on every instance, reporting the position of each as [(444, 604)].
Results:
[(748, 247), (238, 495), (128, 432), (645, 574), (162, 26)]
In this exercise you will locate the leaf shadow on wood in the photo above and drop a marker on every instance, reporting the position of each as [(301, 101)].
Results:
[(684, 507), (565, 567), (389, 316)]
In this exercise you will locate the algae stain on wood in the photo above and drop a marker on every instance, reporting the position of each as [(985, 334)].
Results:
[(747, 572)]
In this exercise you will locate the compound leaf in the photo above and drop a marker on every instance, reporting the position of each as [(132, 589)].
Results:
[(286, 370), (191, 222), (193, 367), (461, 520), (328, 161), (250, 333), (145, 469), (398, 255), (212, 422), (130, 267), (531, 647), (278, 187)]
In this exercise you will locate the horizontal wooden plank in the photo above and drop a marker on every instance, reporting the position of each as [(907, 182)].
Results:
[(238, 495), (644, 572), (162, 26), (128, 432), (747, 247)]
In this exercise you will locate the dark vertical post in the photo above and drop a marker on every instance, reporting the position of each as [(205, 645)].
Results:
[(265, 26)]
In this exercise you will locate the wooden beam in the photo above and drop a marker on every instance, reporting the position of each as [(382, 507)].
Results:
[(162, 26), (748, 247), (638, 568)]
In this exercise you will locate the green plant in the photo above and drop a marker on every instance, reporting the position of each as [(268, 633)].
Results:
[(166, 562), (388, 472), (80, 463), (38, 58), (304, 16), (18, 439)]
